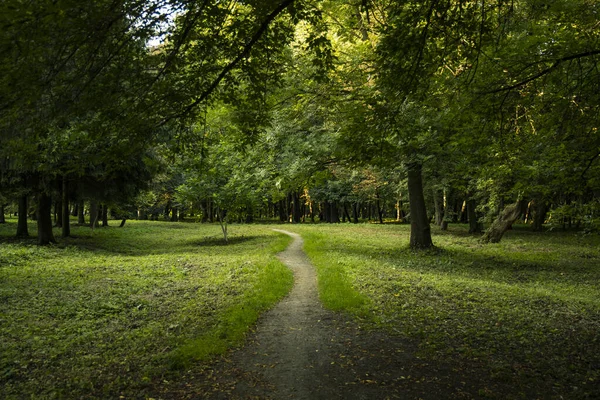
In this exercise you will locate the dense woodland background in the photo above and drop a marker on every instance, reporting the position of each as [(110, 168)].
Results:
[(436, 111), (442, 122)]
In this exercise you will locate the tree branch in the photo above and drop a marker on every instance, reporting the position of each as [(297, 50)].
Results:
[(232, 64), (546, 71)]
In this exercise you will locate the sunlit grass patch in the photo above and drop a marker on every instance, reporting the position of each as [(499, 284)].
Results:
[(528, 307), (103, 313)]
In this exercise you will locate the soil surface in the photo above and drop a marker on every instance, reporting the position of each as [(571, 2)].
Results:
[(299, 350)]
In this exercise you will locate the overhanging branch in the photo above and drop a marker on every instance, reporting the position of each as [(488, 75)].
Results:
[(233, 63), (546, 71)]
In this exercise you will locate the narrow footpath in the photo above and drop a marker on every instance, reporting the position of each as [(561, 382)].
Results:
[(299, 350)]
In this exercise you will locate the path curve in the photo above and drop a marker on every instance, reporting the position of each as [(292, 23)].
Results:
[(299, 350), (289, 342)]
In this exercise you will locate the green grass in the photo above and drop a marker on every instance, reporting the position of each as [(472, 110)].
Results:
[(110, 313), (107, 313), (527, 308)]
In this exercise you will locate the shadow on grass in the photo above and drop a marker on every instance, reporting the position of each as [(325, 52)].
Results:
[(220, 241)]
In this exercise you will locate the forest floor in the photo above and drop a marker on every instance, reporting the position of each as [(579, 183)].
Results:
[(161, 310), (300, 350)]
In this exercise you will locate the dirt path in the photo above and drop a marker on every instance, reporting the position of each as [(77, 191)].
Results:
[(299, 350)]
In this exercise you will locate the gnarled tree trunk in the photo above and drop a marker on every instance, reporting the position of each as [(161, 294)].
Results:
[(503, 223), (420, 232)]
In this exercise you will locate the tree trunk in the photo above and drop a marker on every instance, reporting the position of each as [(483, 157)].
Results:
[(334, 213), (44, 220), (58, 213), (22, 230), (295, 198), (540, 210), (222, 217), (123, 222), (420, 232), (104, 215), (474, 224), (504, 221), (2, 219), (355, 212), (81, 212), (66, 223), (438, 203), (94, 214), (379, 209)]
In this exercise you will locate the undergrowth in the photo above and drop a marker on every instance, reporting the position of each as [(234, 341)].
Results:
[(106, 313)]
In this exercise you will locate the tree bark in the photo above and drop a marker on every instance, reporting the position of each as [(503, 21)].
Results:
[(2, 219), (504, 221), (104, 215), (94, 214), (22, 230), (474, 224), (58, 213), (355, 213), (438, 203), (334, 212), (540, 210), (44, 220), (420, 232), (296, 216), (81, 212), (66, 223)]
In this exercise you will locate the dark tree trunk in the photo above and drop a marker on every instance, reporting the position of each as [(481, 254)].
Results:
[(335, 215), (58, 213), (2, 219), (75, 210), (540, 210), (296, 215), (66, 223), (81, 212), (355, 212), (438, 203), (281, 208), (474, 224), (346, 214), (420, 232), (504, 221), (249, 214), (104, 215), (44, 220), (123, 222), (174, 214), (94, 214), (22, 230), (379, 209)]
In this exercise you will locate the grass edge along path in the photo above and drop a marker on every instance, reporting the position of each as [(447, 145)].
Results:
[(273, 283), (527, 309), (109, 313)]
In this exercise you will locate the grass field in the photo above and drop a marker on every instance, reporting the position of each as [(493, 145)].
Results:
[(104, 314), (528, 308)]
